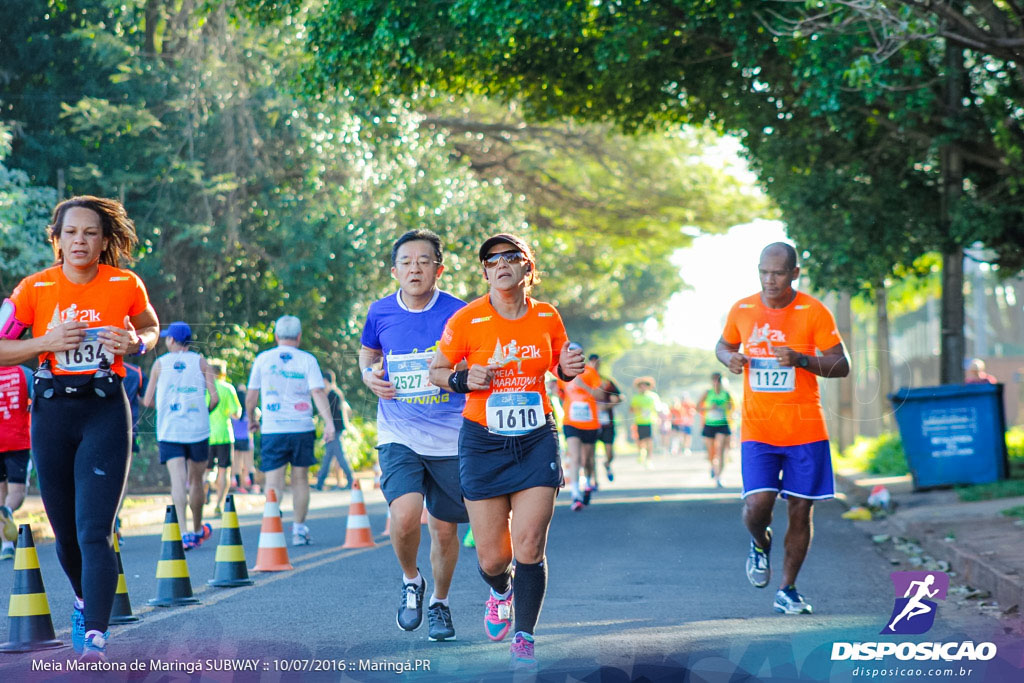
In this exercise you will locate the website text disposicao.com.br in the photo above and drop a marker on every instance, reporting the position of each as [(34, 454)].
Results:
[(885, 672)]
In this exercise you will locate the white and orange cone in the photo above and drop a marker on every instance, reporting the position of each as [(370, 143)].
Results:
[(272, 555), (357, 529)]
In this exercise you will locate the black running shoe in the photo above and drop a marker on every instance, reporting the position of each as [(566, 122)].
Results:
[(439, 618), (410, 611)]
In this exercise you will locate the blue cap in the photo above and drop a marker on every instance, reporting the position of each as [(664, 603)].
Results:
[(179, 332)]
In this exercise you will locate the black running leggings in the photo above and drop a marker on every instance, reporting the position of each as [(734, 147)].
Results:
[(81, 447)]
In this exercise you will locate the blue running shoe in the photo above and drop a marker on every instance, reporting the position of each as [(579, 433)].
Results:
[(77, 630), (759, 571), (788, 601), (95, 649)]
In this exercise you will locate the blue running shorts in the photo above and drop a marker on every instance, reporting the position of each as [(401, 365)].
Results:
[(405, 471), (804, 471), (292, 448)]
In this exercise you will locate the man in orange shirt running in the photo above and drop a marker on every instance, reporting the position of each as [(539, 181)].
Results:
[(581, 428), (789, 339)]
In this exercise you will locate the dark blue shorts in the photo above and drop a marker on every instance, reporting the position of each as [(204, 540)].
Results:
[(804, 471), (403, 470), (198, 451), (711, 431), (491, 465), (607, 433), (294, 448), (14, 466), (587, 436)]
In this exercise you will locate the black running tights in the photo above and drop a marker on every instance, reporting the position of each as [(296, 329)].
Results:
[(81, 447)]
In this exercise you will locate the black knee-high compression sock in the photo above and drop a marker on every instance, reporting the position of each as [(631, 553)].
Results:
[(529, 585), (500, 583)]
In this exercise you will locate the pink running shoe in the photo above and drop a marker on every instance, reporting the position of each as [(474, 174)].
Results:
[(522, 653), (498, 616)]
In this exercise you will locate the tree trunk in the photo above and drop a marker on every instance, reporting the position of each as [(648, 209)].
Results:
[(952, 348), (883, 359), (847, 431)]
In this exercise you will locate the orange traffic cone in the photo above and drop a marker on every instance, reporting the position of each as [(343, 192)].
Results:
[(387, 524), (173, 585), (121, 613), (229, 570), (272, 555), (357, 529), (30, 627)]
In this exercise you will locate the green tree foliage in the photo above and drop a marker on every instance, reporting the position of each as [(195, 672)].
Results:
[(642, 63), (24, 214)]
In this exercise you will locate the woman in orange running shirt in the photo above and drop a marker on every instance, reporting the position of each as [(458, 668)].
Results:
[(509, 462), (85, 313)]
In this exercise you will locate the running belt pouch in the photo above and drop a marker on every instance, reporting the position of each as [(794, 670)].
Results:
[(75, 386)]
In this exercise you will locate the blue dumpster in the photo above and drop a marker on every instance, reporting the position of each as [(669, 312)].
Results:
[(952, 434)]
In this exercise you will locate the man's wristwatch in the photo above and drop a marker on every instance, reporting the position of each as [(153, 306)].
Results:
[(803, 361)]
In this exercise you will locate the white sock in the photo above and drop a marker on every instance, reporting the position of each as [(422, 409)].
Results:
[(93, 633), (79, 603), (574, 489), (7, 544), (502, 596), (416, 580), (434, 600), (297, 527)]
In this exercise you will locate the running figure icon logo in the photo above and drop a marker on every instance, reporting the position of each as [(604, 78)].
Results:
[(914, 612)]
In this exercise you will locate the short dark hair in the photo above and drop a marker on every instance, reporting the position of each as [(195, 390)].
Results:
[(117, 228), (787, 249), (418, 235), (331, 377)]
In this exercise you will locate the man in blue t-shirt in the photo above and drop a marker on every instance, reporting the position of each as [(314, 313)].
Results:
[(417, 425)]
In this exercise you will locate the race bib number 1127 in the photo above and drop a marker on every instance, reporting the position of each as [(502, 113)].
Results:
[(767, 375)]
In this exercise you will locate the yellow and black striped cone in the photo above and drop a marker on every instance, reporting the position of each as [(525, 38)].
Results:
[(229, 570), (121, 613), (30, 625), (173, 586)]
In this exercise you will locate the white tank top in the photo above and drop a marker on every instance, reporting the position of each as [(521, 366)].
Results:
[(181, 412)]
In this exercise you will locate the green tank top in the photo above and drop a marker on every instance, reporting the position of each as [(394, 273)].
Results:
[(714, 408)]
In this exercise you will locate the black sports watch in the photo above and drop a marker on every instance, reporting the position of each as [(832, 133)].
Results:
[(803, 361)]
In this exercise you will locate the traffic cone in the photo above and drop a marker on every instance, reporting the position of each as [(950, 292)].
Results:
[(469, 541), (30, 625), (272, 554), (357, 529), (229, 570), (121, 613), (173, 585), (387, 524)]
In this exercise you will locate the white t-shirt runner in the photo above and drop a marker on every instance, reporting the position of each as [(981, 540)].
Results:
[(182, 414), (285, 377)]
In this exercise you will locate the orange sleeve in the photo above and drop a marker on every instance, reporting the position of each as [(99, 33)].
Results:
[(140, 299), (826, 333), (24, 300), (731, 333), (558, 339), (453, 343)]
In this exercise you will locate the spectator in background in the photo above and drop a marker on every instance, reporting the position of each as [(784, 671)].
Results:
[(341, 414), (242, 467), (976, 374)]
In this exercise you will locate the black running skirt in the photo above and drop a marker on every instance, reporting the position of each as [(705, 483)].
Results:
[(491, 465)]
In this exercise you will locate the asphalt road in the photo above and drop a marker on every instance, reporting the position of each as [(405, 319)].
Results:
[(646, 582)]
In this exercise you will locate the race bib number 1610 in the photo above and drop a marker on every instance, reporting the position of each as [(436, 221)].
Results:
[(514, 413)]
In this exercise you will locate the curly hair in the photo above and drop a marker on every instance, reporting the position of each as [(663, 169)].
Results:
[(117, 228)]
